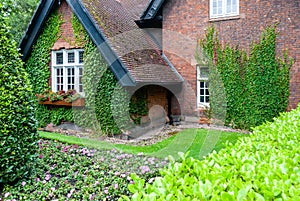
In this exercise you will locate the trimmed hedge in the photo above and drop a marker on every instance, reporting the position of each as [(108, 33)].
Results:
[(18, 136), (263, 166)]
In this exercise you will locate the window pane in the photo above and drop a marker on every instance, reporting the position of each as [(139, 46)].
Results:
[(207, 99), (80, 88), (220, 7), (201, 84), (206, 92), (59, 58), (201, 99), (81, 57), (204, 72), (206, 85), (228, 6), (201, 92), (214, 7), (234, 6), (71, 57)]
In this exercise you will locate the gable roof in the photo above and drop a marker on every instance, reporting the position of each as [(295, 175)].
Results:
[(131, 54)]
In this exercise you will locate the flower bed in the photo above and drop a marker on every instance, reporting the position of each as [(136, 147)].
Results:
[(72, 172)]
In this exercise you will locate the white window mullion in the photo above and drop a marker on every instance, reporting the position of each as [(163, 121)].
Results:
[(65, 78), (63, 67)]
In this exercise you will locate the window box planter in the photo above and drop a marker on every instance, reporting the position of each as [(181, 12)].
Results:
[(80, 102)]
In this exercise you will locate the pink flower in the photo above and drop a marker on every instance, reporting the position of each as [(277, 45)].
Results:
[(6, 195), (145, 169), (116, 186), (151, 180), (48, 176), (91, 197), (106, 190), (41, 156), (23, 183)]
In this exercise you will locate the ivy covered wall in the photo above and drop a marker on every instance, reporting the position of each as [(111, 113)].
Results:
[(107, 103), (37, 66), (250, 89)]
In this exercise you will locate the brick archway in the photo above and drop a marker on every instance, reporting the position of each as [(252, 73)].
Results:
[(160, 96)]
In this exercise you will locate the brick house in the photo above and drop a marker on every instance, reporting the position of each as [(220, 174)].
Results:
[(150, 45), (238, 22)]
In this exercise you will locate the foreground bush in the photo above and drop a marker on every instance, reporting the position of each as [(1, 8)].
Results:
[(18, 137), (72, 172), (264, 166)]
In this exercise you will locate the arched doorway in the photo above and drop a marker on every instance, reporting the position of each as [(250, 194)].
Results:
[(148, 97)]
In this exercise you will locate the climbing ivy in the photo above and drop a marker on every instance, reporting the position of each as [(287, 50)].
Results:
[(107, 103), (37, 64), (138, 106), (256, 86), (37, 67)]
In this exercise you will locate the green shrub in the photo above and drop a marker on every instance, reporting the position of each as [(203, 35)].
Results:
[(18, 136), (264, 166)]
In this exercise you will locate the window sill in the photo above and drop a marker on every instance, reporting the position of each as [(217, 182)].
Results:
[(236, 17), (77, 103)]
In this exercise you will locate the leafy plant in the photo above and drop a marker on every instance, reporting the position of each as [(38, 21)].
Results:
[(20, 17), (18, 136), (72, 172), (263, 166), (255, 86), (138, 106)]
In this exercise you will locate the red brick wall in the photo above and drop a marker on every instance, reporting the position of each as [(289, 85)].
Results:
[(66, 38), (158, 95), (188, 19)]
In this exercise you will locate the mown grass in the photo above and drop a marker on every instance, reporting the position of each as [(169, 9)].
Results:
[(198, 142)]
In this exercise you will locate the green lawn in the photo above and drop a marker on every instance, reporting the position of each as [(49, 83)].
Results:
[(199, 142)]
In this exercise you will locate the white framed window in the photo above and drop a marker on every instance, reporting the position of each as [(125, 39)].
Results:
[(223, 8), (202, 85), (67, 70)]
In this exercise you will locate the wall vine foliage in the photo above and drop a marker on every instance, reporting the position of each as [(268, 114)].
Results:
[(37, 67), (107, 103), (256, 85)]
